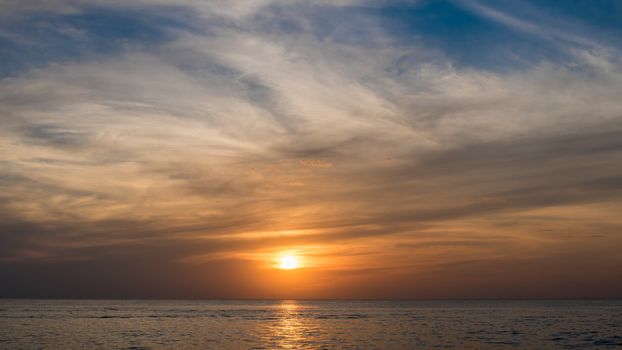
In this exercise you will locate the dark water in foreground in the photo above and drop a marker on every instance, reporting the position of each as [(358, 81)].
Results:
[(130, 324)]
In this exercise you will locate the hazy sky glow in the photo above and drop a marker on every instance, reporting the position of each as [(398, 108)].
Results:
[(407, 149)]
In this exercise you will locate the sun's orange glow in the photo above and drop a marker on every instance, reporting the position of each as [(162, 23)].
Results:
[(288, 262)]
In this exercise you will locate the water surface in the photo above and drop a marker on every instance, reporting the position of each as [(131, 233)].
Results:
[(138, 324)]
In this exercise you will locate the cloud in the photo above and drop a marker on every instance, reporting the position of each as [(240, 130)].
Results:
[(216, 139), (536, 21)]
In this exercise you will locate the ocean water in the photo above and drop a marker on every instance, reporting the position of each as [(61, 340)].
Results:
[(288, 324)]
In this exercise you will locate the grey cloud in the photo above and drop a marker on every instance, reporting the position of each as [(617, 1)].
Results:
[(55, 136)]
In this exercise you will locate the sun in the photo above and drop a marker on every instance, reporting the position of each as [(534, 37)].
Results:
[(288, 262)]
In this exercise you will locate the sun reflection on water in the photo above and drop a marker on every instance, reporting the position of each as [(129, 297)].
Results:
[(289, 332)]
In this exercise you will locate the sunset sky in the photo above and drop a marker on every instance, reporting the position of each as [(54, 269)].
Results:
[(311, 149)]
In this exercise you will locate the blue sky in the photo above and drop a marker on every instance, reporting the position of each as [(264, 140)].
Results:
[(382, 141), (488, 35)]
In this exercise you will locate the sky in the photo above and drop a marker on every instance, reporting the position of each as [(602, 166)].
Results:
[(397, 149)]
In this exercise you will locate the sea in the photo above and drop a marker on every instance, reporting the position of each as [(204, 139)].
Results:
[(302, 324)]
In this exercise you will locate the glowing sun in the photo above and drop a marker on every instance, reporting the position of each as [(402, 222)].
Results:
[(288, 262)]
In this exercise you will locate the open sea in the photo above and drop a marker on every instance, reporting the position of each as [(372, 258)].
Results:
[(289, 324)]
